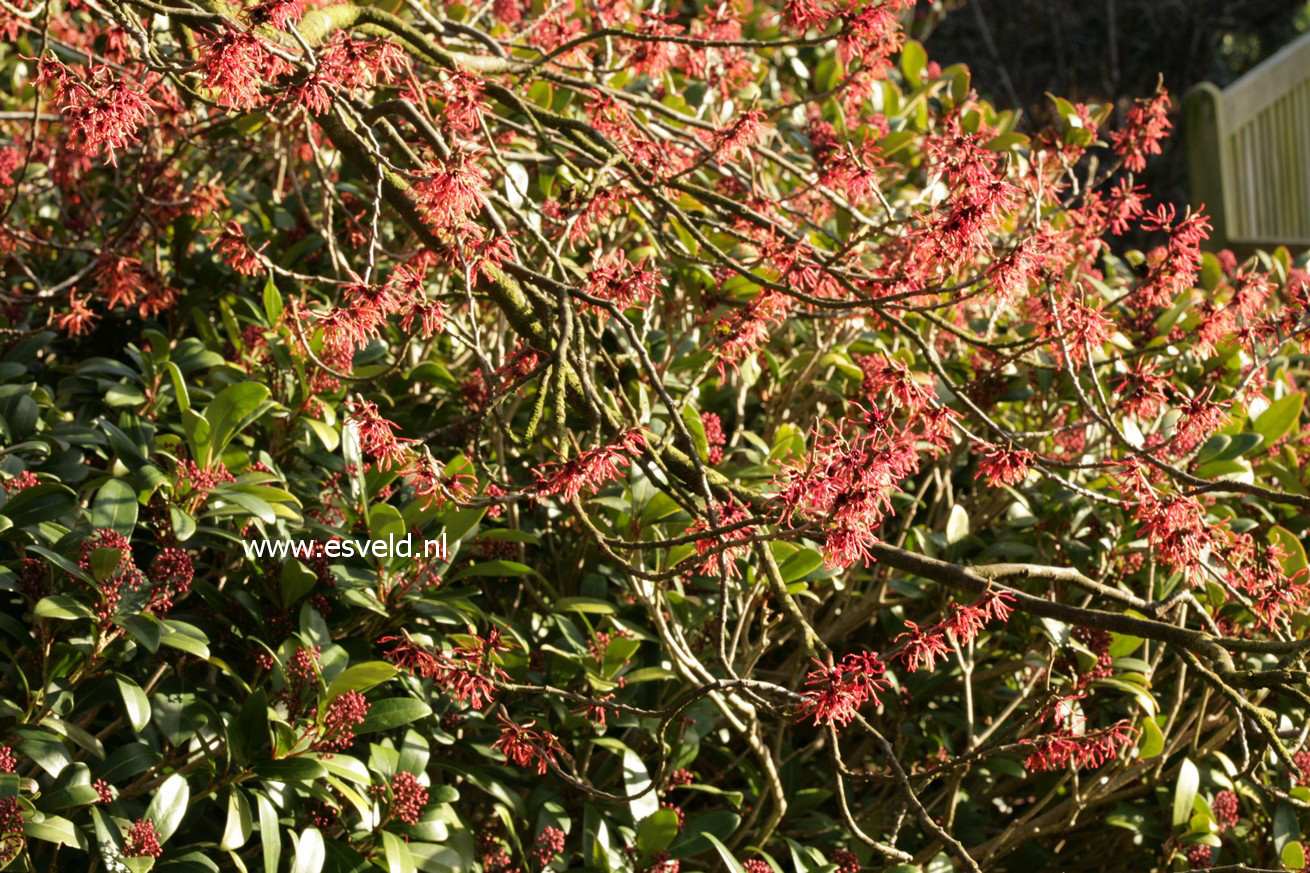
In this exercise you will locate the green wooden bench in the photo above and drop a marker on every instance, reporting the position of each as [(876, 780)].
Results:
[(1248, 150)]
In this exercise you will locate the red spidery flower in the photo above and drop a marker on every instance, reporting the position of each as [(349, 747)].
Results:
[(525, 746), (1144, 128), (376, 435), (589, 470), (351, 64), (888, 377), (618, 281), (710, 548), (1067, 746), (1176, 264), (234, 65), (1004, 466), (232, 244), (410, 656), (736, 139), (922, 647), (119, 280), (802, 15), (275, 13), (101, 111), (847, 481), (77, 320), (464, 105), (656, 57), (839, 690), (431, 484), (451, 190), (744, 330)]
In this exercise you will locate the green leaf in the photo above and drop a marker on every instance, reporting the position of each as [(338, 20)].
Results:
[(913, 61), (1286, 827), (144, 629), (394, 712), (1279, 418), (272, 301), (800, 564), (310, 852), (361, 677), (657, 832), (1122, 645), (297, 581), (135, 703), (239, 822), (61, 606), (1152, 742), (494, 568), (1189, 780), (53, 829), (729, 861), (169, 806), (184, 526), (40, 503), (637, 780), (1293, 856), (270, 837), (179, 386), (115, 507), (399, 859), (232, 409), (104, 563), (247, 736), (589, 605), (127, 761), (290, 770)]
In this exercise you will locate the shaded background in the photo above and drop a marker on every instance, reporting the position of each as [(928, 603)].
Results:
[(1098, 51)]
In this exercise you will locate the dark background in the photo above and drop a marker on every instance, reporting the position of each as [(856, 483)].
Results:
[(1098, 51)]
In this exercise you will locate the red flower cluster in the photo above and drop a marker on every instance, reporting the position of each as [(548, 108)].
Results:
[(1145, 127), (408, 797), (731, 544), (840, 689), (468, 674), (526, 746), (590, 469), (142, 841), (376, 435), (920, 647), (850, 474), (714, 438), (1070, 744), (346, 712), (618, 281), (736, 139), (101, 111), (123, 575), (550, 843), (1004, 466)]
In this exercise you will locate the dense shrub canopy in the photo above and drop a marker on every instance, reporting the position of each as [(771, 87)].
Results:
[(823, 487)]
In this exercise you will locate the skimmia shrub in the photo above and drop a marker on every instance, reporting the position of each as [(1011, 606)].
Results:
[(825, 482)]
